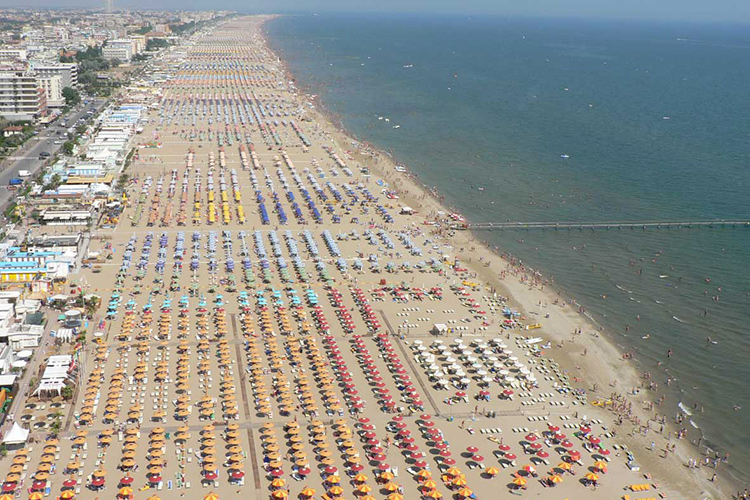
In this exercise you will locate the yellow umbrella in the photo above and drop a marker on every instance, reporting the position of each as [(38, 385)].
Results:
[(391, 487), (67, 494), (280, 494), (360, 478), (434, 494), (465, 492), (395, 496), (36, 496), (335, 490), (364, 488), (211, 496), (592, 477), (307, 491), (492, 470), (555, 478), (519, 481), (125, 491), (278, 482)]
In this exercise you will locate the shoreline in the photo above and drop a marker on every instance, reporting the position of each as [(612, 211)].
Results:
[(596, 358)]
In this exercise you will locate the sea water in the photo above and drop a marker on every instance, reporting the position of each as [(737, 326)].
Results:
[(560, 120)]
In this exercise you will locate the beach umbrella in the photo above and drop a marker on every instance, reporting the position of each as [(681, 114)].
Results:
[(364, 488), (592, 477), (67, 494), (307, 491), (278, 483), (601, 465), (465, 492), (433, 494), (336, 490), (395, 496), (211, 496), (125, 491), (492, 470), (391, 487), (280, 494), (555, 478), (519, 481)]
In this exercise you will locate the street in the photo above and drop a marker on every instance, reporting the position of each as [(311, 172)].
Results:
[(27, 157)]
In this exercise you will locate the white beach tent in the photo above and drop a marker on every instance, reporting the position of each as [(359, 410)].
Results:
[(16, 435)]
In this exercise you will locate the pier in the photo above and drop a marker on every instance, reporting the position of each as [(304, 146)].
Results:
[(651, 224)]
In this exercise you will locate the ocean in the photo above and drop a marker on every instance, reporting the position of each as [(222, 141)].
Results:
[(563, 120)]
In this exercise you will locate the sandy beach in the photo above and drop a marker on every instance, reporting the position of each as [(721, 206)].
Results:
[(287, 315)]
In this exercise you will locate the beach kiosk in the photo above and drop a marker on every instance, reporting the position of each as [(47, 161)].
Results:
[(439, 329)]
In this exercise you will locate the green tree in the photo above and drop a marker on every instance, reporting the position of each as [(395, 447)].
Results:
[(68, 147), (71, 95), (67, 393)]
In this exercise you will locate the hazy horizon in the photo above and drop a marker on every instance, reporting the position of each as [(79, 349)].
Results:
[(732, 11)]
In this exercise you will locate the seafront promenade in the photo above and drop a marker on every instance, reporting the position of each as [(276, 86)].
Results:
[(277, 324)]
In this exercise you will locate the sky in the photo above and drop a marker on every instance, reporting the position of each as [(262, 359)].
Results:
[(681, 10)]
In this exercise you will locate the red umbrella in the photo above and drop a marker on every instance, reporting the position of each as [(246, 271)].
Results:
[(69, 483), (237, 474), (303, 471), (567, 444), (472, 449), (530, 437), (445, 453), (542, 454), (211, 476), (331, 470), (425, 417), (594, 440), (125, 480), (449, 461), (378, 458), (574, 454), (441, 445), (99, 481), (420, 464), (38, 485), (477, 458), (8, 487), (604, 452), (357, 467), (504, 447), (428, 424), (553, 428), (398, 418), (460, 394), (157, 479), (277, 473), (535, 446), (510, 456), (364, 420), (384, 466)]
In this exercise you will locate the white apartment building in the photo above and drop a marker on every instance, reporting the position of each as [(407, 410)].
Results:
[(52, 85), (21, 98), (67, 71)]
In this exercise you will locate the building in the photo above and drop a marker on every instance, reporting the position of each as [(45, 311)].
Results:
[(52, 85), (21, 98), (121, 49), (67, 71), (7, 54)]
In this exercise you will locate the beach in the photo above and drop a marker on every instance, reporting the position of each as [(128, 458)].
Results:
[(285, 314)]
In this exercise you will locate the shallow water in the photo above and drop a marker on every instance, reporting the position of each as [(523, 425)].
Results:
[(653, 118)]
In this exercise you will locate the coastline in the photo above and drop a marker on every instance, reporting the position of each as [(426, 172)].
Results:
[(595, 360)]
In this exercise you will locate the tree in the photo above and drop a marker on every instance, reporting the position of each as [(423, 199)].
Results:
[(67, 392), (71, 95), (68, 147)]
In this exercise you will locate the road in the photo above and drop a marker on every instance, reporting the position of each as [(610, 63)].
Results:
[(27, 158)]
